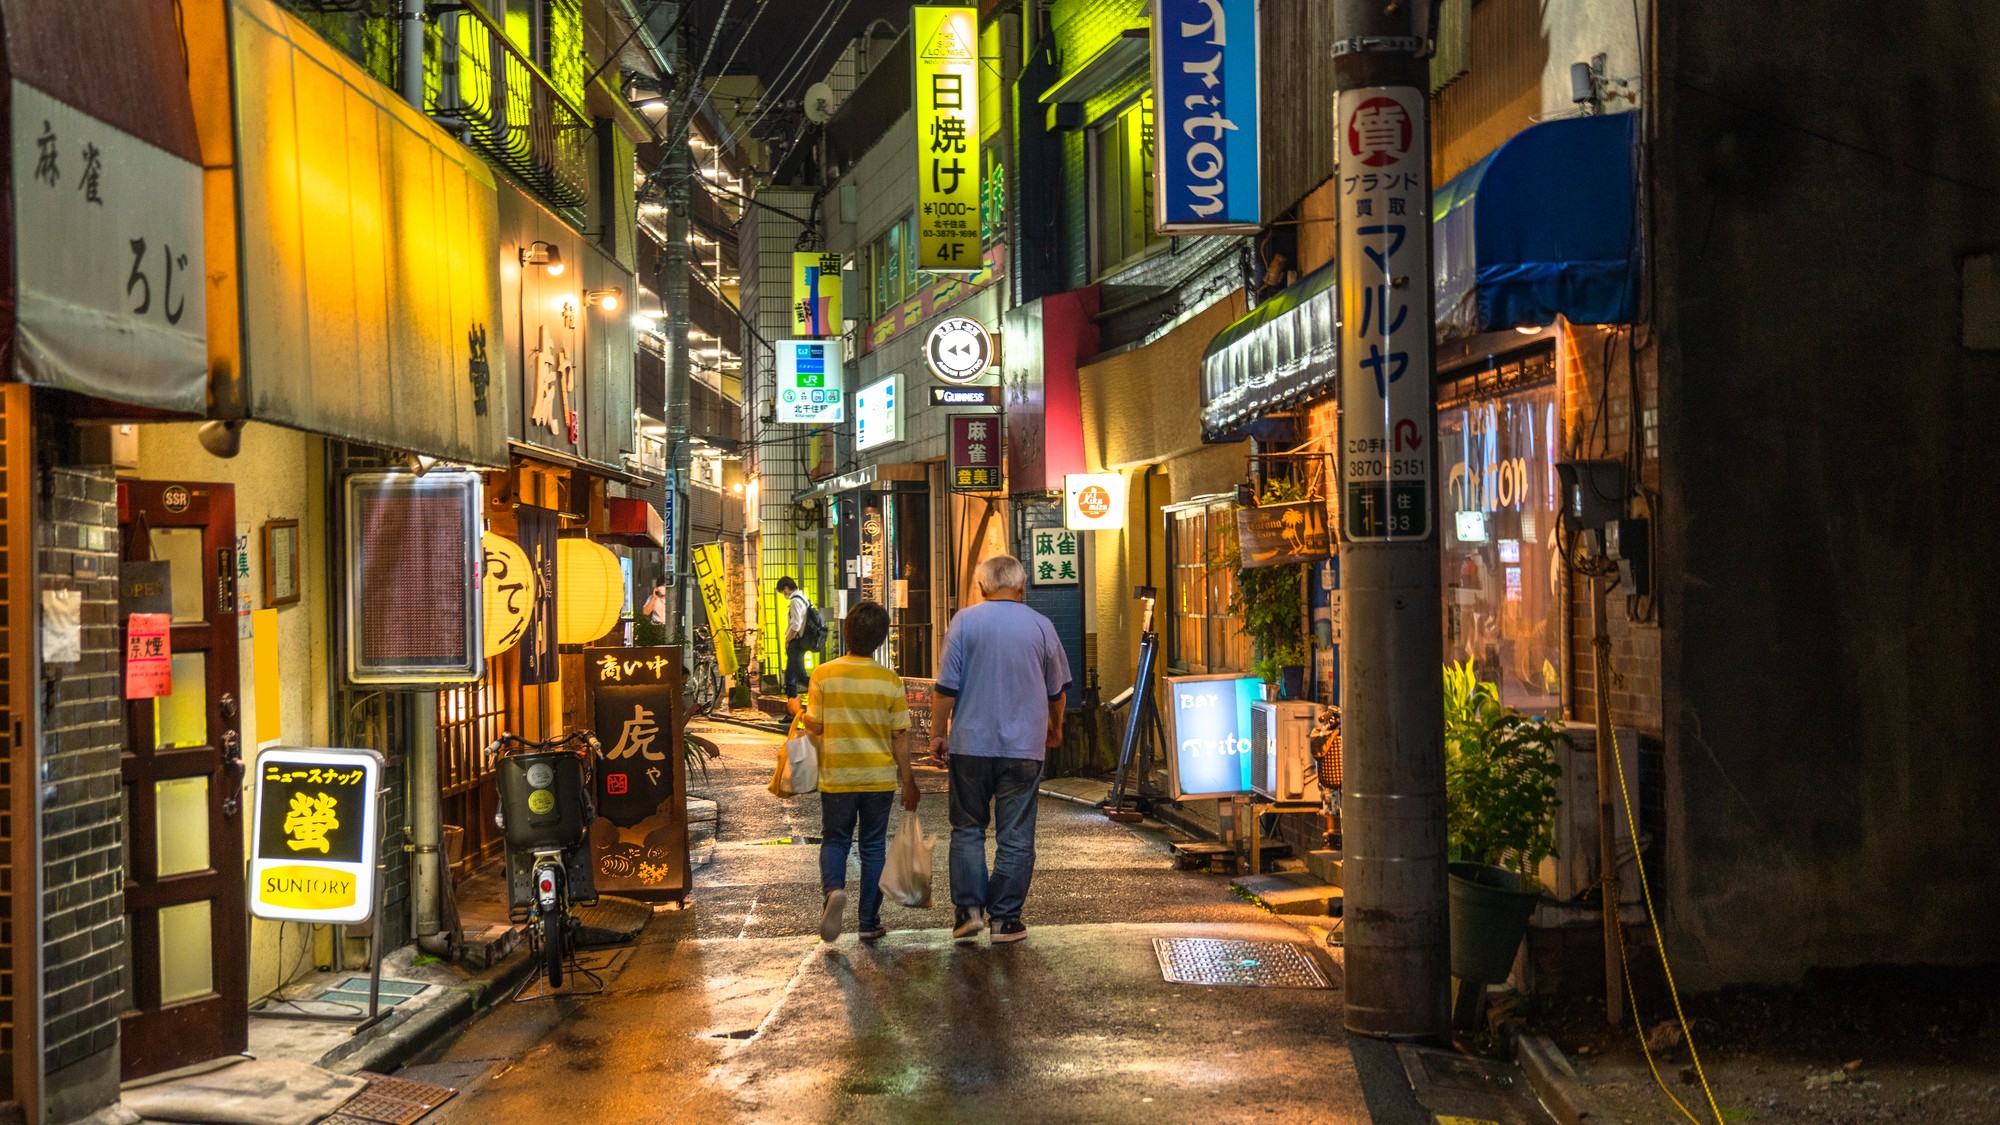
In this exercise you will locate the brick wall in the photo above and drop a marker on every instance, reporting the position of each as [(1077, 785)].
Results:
[(82, 826)]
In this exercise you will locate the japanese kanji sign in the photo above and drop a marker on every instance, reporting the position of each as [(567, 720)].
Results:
[(947, 93), (710, 570), (313, 857), (639, 842), (811, 384), (1053, 559), (1205, 92), (975, 451), (1385, 324), (815, 293), (149, 658)]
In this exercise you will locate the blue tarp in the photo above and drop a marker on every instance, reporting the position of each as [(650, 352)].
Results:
[(1542, 226)]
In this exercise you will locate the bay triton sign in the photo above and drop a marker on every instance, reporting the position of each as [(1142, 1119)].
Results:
[(313, 848), (1205, 96), (947, 96)]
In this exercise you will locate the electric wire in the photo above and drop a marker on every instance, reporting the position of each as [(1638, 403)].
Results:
[(786, 76)]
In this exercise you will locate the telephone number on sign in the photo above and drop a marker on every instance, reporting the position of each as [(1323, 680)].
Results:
[(1371, 468)]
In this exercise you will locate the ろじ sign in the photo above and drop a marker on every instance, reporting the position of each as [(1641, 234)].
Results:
[(313, 848)]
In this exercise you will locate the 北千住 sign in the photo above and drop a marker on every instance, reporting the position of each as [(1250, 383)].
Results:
[(1205, 93), (811, 384), (1385, 315), (1094, 501), (1208, 725), (947, 96), (815, 293), (313, 848), (959, 349)]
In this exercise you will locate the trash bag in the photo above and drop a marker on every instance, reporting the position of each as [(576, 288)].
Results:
[(798, 768), (906, 870)]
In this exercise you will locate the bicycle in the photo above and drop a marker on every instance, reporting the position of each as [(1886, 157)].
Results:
[(704, 682), (545, 814)]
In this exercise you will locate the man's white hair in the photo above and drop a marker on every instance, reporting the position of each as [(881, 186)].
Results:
[(1001, 572)]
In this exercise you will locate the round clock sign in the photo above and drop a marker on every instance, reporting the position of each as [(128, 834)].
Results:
[(959, 349)]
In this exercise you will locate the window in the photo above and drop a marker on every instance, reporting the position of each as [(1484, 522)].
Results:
[(1205, 635), (892, 268), (1122, 180)]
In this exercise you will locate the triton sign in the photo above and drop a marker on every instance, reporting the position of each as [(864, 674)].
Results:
[(1206, 95)]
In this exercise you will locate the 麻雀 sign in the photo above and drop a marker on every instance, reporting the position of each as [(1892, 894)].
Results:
[(1205, 95)]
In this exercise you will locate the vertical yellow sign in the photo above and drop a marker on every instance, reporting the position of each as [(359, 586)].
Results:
[(708, 572), (947, 93), (815, 293)]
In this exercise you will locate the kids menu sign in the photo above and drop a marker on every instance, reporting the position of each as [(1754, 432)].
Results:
[(639, 839), (314, 844)]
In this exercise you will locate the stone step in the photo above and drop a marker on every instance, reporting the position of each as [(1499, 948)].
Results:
[(1290, 892)]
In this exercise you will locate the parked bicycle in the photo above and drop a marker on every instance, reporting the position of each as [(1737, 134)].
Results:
[(545, 814), (704, 682)]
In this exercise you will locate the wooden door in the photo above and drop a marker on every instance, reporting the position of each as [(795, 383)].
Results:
[(185, 914)]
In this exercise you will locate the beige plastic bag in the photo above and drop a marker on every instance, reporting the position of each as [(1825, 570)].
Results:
[(906, 870), (798, 768)]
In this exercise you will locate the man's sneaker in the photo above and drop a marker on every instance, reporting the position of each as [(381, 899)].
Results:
[(870, 933), (971, 920), (829, 915), (1011, 929)]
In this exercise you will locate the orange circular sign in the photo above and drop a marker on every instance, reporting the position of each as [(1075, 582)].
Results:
[(1094, 500)]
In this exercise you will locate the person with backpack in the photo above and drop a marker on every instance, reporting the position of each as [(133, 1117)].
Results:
[(805, 631)]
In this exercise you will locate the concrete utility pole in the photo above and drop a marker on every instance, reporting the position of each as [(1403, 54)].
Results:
[(1392, 807), (676, 174)]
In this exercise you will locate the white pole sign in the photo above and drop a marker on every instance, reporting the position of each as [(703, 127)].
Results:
[(811, 385), (1385, 253), (312, 854)]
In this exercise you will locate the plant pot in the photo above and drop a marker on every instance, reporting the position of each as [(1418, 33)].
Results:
[(1292, 681), (1489, 917)]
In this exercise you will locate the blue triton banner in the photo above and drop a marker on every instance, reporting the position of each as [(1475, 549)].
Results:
[(1205, 109)]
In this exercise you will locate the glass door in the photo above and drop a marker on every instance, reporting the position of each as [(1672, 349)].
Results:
[(183, 768)]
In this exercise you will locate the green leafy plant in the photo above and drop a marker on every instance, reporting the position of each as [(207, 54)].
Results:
[(1500, 776), (1270, 600)]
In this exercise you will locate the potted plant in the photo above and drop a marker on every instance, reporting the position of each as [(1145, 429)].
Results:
[(1270, 602), (1500, 806)]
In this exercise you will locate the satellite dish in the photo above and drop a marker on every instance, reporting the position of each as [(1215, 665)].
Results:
[(819, 103)]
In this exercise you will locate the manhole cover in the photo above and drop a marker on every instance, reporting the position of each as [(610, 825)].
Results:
[(392, 1101), (1260, 964)]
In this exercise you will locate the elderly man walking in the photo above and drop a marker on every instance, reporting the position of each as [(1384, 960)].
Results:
[(999, 708)]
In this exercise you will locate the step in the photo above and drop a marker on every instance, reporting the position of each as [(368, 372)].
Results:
[(1289, 892)]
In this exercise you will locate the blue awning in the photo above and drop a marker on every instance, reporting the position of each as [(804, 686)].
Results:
[(1543, 226), (1279, 353)]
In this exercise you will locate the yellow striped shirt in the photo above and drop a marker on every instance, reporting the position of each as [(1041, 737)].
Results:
[(858, 706)]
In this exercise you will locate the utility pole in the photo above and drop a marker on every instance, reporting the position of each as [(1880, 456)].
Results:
[(676, 172), (1392, 715)]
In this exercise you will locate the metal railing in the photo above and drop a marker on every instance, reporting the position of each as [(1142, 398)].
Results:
[(507, 108)]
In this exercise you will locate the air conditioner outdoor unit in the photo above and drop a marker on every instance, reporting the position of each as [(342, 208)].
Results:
[(1281, 761)]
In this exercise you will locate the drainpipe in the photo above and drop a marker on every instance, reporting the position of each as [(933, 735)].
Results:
[(426, 870), (410, 64)]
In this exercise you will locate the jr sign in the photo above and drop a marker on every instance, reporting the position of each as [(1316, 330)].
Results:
[(1385, 253), (947, 95)]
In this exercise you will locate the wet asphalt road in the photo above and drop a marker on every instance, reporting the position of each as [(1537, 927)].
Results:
[(732, 1010)]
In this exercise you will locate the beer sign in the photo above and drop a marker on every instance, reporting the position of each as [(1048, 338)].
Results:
[(313, 847)]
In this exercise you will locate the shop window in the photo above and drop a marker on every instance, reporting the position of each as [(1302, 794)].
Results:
[(1121, 174), (892, 268), (1203, 635), (1503, 573)]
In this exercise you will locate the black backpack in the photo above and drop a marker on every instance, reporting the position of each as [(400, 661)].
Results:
[(814, 632)]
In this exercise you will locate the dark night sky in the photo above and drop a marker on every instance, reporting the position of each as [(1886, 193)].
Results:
[(779, 30)]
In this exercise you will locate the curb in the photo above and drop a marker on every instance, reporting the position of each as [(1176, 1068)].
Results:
[(1563, 1094), (1070, 797), (398, 1039)]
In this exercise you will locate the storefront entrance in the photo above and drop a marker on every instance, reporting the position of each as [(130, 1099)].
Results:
[(183, 772)]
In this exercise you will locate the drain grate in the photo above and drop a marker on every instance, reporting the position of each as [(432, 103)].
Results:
[(354, 990), (1258, 964), (390, 1101)]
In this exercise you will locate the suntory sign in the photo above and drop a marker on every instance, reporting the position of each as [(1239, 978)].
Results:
[(313, 850)]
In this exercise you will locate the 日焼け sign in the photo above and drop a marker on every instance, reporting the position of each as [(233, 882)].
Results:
[(947, 96), (1205, 95), (314, 843)]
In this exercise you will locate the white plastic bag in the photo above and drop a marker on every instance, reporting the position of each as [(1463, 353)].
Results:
[(906, 870), (804, 759)]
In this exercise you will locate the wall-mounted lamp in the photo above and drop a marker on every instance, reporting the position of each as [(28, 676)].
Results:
[(222, 437), (606, 299), (543, 254)]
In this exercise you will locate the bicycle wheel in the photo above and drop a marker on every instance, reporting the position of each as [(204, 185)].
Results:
[(553, 933)]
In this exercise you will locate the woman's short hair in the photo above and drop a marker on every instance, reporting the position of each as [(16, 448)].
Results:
[(1001, 572), (866, 627)]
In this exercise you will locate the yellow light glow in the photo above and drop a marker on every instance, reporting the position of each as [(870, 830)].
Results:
[(610, 303), (555, 268), (590, 591)]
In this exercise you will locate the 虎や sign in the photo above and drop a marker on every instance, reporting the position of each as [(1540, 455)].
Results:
[(313, 846), (1205, 95)]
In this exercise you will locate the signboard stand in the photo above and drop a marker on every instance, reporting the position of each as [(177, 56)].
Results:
[(1142, 727), (376, 1013)]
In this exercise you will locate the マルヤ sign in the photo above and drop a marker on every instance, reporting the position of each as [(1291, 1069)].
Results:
[(959, 349), (947, 96), (811, 384), (1208, 724), (1385, 323), (1205, 93), (314, 843)]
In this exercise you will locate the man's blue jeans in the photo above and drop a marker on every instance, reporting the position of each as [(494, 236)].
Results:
[(1007, 787), (796, 676), (839, 813)]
